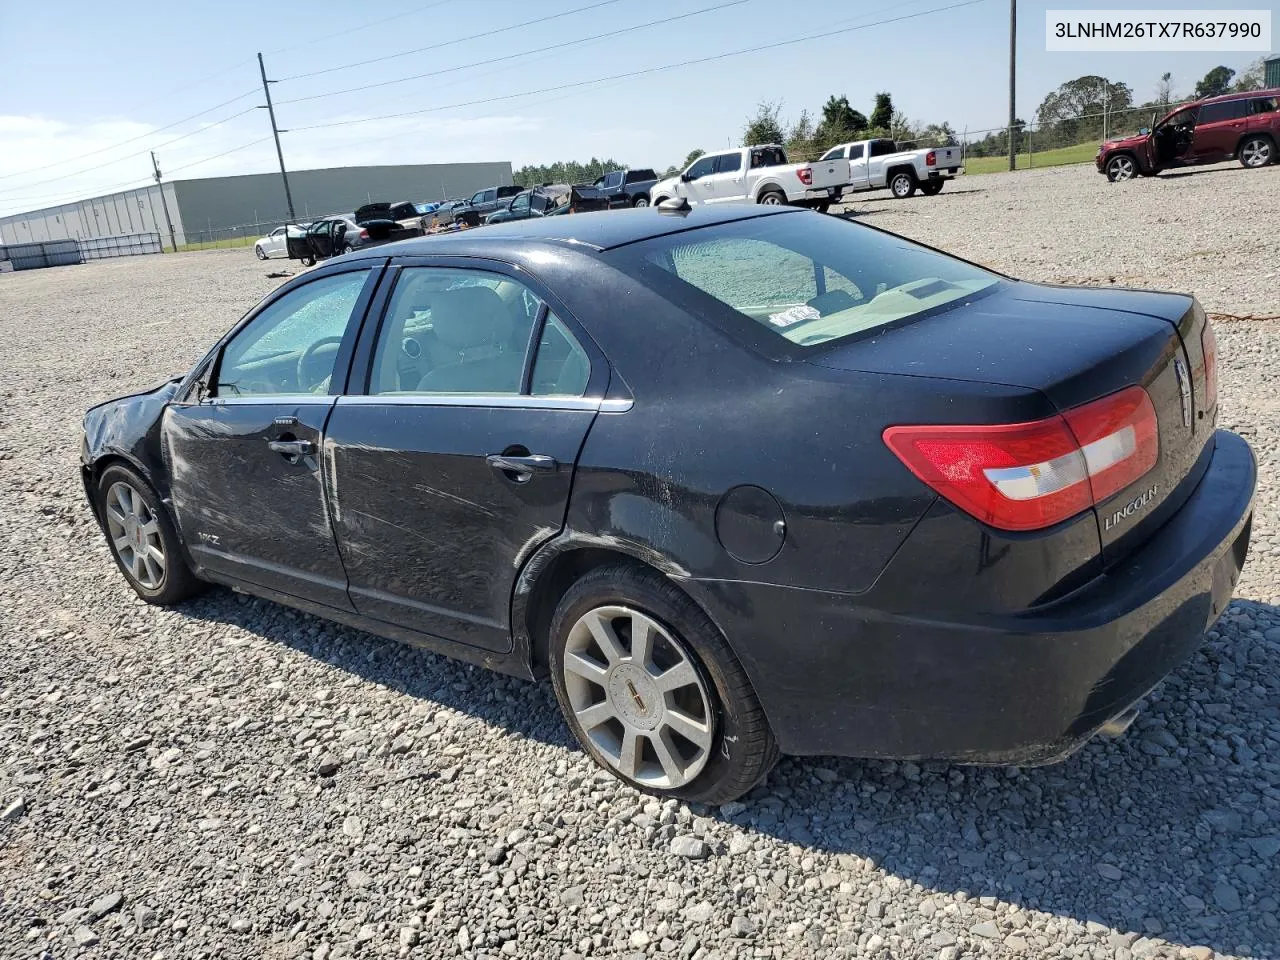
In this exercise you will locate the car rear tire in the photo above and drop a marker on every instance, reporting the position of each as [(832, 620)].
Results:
[(1257, 152), (261, 254), (822, 207), (641, 202), (142, 539), (1121, 168), (903, 184), (931, 188), (676, 717), (773, 198), (307, 261)]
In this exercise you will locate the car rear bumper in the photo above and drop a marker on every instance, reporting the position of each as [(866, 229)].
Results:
[(837, 677)]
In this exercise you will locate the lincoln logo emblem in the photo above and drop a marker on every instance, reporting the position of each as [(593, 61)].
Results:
[(635, 695), (1132, 507)]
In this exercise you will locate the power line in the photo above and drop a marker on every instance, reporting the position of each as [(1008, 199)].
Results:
[(129, 156), (514, 56), (645, 72), (351, 30), (218, 156), (450, 43), (141, 136)]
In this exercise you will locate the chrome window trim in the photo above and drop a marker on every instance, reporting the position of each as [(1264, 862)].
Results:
[(511, 400), (262, 399)]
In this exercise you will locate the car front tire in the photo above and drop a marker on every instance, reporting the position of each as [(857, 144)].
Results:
[(1121, 168), (652, 691), (262, 254), (1257, 152), (641, 202), (142, 538)]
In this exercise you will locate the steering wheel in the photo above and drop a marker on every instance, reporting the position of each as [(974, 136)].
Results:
[(305, 384)]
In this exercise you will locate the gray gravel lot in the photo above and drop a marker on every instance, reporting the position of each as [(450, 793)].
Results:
[(159, 787)]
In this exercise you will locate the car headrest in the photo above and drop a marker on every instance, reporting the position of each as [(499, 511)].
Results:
[(467, 317)]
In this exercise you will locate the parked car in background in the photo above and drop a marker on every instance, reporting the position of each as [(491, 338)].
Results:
[(484, 202), (627, 188), (412, 215), (877, 164), (760, 174), (1241, 125), (272, 245), (370, 225), (550, 199), (931, 513)]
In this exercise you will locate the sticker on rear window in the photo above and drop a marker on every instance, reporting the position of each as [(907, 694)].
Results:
[(794, 315)]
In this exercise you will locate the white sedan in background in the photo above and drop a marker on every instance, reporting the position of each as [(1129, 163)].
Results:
[(272, 245)]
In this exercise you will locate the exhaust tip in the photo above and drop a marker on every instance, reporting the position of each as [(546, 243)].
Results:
[(1117, 725)]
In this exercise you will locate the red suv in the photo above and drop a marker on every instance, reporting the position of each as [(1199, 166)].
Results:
[(1243, 125)]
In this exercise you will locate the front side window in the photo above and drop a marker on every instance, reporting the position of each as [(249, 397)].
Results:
[(478, 197), (1183, 118), (703, 166), (278, 232), (798, 281), (520, 204), (291, 346)]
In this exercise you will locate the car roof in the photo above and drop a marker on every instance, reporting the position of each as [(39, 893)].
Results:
[(601, 230), (1237, 95)]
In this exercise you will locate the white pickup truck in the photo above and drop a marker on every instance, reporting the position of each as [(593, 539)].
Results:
[(876, 164), (759, 174)]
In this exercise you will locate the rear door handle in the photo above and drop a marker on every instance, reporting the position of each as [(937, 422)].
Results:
[(522, 467), (292, 448)]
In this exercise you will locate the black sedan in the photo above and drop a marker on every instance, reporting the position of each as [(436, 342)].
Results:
[(741, 482)]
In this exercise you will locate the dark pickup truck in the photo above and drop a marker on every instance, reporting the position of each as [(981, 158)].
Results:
[(627, 188), (484, 202), (549, 200), (327, 237)]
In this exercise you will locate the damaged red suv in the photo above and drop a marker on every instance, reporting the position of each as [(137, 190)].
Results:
[(1241, 125)]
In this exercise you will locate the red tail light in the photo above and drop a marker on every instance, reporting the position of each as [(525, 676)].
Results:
[(805, 174), (364, 234), (1027, 476), (1209, 344), (930, 158)]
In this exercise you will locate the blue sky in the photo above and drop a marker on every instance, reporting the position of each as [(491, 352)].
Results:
[(80, 77)]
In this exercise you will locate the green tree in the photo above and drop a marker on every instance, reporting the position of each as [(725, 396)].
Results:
[(882, 114), (937, 135), (565, 171), (1078, 110), (765, 126), (1215, 83), (694, 154)]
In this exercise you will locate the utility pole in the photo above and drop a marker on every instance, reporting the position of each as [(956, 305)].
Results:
[(275, 132), (1013, 57), (173, 241)]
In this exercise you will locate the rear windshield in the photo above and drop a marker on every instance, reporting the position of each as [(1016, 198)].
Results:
[(801, 280)]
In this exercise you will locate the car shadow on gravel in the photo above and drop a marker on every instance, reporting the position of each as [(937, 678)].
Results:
[(1170, 833)]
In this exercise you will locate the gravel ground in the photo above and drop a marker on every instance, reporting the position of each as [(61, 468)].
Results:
[(161, 772)]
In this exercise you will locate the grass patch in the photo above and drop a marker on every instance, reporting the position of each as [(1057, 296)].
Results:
[(1080, 153), (218, 244)]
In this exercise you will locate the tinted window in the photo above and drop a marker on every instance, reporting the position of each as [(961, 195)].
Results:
[(639, 176), (702, 167), (540, 202), (762, 277), (561, 367), (611, 180), (1218, 112), (291, 346), (454, 331), (882, 148), (510, 191), (729, 163), (521, 203), (1263, 105)]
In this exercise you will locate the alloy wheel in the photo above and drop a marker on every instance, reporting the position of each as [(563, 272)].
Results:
[(135, 535), (1122, 168), (770, 200), (901, 186), (1256, 153), (635, 691)]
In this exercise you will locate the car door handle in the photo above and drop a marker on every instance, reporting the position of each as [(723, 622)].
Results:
[(522, 467), (292, 448)]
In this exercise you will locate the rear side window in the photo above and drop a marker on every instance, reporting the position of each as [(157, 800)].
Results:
[(561, 367), (787, 281), (1218, 112), (729, 163), (1262, 105)]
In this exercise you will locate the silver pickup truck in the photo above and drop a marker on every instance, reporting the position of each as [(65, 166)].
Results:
[(876, 164)]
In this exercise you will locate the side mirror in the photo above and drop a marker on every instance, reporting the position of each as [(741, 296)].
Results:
[(1144, 131), (685, 178)]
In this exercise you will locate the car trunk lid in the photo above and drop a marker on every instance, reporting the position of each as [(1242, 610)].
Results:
[(1074, 345)]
